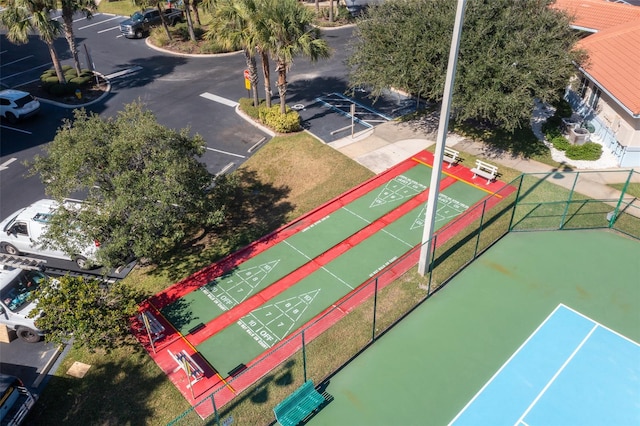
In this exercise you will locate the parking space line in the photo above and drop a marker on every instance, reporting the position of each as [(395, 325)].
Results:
[(225, 152), (17, 130), (17, 60), (121, 73), (108, 29), (24, 72), (219, 99), (98, 23)]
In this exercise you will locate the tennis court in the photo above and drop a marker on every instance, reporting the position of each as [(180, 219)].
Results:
[(218, 321), (541, 329)]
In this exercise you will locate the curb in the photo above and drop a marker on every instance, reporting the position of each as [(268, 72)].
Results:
[(98, 99)]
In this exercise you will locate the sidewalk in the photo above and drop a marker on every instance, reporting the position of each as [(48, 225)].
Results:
[(389, 143)]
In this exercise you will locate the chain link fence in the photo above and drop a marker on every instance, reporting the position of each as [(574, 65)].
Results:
[(555, 201)]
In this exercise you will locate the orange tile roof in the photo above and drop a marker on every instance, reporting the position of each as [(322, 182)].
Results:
[(597, 15), (614, 50)]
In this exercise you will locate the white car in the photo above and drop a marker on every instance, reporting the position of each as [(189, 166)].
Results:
[(21, 232), (16, 105)]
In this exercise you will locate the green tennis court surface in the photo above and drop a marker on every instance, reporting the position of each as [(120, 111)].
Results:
[(428, 367)]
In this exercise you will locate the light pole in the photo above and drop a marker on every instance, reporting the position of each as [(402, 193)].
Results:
[(434, 187)]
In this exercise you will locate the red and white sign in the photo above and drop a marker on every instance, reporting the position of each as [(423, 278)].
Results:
[(246, 74)]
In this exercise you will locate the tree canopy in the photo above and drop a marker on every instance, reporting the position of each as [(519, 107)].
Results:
[(510, 53), (144, 188), (94, 315)]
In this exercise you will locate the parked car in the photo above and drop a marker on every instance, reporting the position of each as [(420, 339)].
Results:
[(21, 233), (140, 23), (16, 105), (15, 287), (15, 400)]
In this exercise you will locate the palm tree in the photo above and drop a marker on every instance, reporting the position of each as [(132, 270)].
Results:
[(20, 17), (290, 34), (234, 25), (69, 8)]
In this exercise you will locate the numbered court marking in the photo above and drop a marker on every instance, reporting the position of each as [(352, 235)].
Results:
[(448, 208), (396, 189), (239, 286), (271, 323)]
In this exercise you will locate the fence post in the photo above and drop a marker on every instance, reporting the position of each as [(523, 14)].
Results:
[(304, 358), (515, 203), (375, 308), (433, 261), (569, 200), (215, 409), (624, 191), (484, 209)]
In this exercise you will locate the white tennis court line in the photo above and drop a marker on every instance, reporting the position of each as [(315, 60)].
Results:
[(555, 376), (596, 325), (497, 373)]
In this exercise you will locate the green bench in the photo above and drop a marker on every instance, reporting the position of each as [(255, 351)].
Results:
[(303, 402)]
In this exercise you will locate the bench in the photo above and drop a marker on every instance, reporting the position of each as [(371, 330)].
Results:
[(303, 402), (152, 324), (451, 156), (188, 365), (486, 170)]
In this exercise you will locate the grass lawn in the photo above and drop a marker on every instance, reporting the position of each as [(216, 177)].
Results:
[(289, 176)]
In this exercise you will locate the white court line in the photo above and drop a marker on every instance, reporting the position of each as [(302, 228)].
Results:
[(219, 99), (108, 29), (357, 215), (322, 267), (504, 365), (98, 23), (555, 376), (17, 60), (225, 152), (396, 237)]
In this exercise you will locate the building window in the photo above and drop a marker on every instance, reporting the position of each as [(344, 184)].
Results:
[(584, 84), (594, 98)]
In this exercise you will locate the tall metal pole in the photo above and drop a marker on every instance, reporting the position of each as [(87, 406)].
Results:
[(434, 186)]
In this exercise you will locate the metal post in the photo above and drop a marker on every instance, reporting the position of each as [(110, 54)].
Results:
[(304, 358), (434, 188), (613, 217), (515, 203), (353, 118), (375, 304)]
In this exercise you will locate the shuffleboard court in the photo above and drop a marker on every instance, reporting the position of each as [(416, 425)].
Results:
[(262, 328), (208, 302)]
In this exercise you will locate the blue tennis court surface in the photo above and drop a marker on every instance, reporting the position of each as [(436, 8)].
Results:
[(570, 371)]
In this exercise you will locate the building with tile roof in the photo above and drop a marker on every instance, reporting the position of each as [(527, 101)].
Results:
[(606, 95)]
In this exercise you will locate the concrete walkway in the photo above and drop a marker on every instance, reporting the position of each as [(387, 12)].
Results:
[(389, 143)]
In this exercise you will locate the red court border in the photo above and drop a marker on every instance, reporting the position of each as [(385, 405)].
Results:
[(213, 381)]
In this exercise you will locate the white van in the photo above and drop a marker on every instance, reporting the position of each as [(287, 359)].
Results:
[(15, 287), (21, 232)]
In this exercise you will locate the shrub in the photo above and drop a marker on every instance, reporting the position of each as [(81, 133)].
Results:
[(560, 142), (246, 105), (283, 123), (272, 118), (552, 124), (590, 151), (79, 81), (563, 108)]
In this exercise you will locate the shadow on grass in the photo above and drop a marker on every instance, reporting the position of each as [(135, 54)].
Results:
[(253, 209), (85, 401), (519, 143)]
